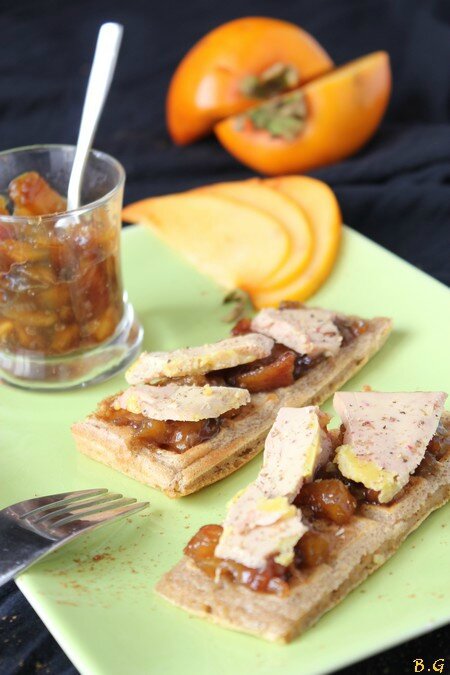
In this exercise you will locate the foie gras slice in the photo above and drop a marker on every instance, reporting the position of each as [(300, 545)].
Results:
[(234, 351), (261, 521), (180, 402), (295, 447), (386, 435), (306, 331)]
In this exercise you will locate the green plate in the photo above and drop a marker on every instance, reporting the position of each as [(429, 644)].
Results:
[(96, 595)]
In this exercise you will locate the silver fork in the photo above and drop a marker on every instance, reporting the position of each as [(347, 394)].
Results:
[(31, 529)]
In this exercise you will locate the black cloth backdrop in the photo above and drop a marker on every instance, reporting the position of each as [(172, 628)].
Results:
[(396, 191)]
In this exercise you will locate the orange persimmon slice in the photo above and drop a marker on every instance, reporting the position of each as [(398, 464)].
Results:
[(322, 209), (234, 66), (237, 245), (320, 123), (256, 193)]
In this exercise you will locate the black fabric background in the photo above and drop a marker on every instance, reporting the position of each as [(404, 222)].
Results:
[(396, 191)]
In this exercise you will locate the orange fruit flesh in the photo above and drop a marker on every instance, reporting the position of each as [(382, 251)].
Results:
[(284, 209), (222, 232), (343, 110), (322, 209), (206, 86), (237, 245)]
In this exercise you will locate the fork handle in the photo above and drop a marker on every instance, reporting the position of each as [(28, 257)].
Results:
[(9, 573), (18, 550)]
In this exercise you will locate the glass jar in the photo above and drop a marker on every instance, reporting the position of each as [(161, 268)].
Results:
[(64, 317)]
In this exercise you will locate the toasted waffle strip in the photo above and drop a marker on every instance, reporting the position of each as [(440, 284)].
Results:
[(239, 440), (362, 546)]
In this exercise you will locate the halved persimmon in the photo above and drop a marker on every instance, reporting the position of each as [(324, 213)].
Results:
[(320, 123), (233, 66), (280, 206), (237, 245), (322, 210)]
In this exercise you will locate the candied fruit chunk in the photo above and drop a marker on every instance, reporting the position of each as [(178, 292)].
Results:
[(21, 251), (179, 436), (371, 496), (276, 370), (272, 578), (439, 446), (65, 338), (331, 470), (106, 324), (3, 206), (42, 319), (278, 373), (328, 498), (29, 339), (291, 304), (33, 196), (31, 276), (54, 297), (5, 329), (66, 314), (167, 434), (312, 549), (203, 543), (242, 327), (350, 329)]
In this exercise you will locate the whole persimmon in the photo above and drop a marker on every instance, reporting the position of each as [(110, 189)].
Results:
[(233, 67), (318, 124)]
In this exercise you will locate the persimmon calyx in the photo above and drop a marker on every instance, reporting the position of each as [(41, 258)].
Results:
[(282, 117), (276, 79)]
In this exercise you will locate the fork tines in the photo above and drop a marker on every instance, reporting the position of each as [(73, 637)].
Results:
[(92, 505)]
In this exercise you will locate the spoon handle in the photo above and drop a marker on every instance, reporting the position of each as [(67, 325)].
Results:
[(102, 71)]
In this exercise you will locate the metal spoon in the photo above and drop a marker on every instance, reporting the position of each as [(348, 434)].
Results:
[(102, 71)]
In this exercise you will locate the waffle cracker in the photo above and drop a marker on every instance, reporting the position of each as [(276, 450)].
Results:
[(361, 547), (239, 440)]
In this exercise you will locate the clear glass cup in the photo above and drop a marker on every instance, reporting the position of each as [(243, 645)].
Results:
[(64, 317)]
